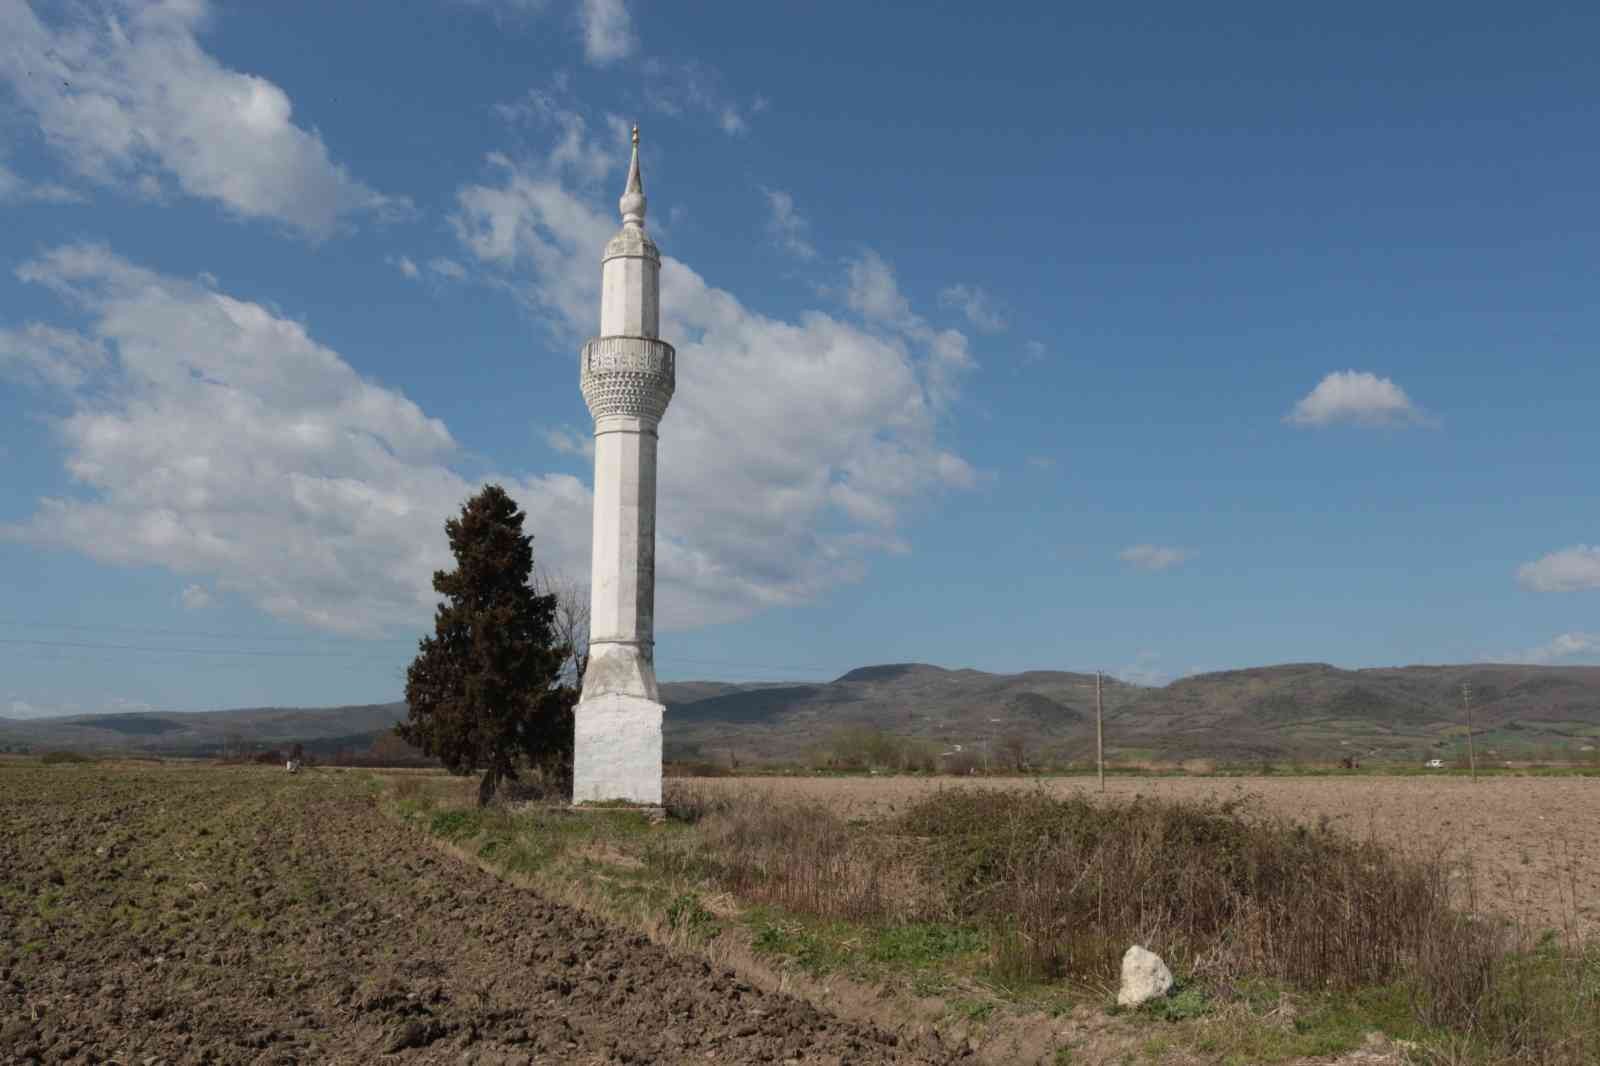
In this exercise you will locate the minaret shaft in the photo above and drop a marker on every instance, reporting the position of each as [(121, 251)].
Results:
[(627, 374)]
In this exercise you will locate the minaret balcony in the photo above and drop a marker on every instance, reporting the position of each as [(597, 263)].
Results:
[(632, 376)]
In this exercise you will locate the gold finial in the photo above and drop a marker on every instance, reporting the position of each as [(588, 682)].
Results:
[(635, 133)]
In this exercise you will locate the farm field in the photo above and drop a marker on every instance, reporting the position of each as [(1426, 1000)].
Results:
[(241, 915), (1528, 842)]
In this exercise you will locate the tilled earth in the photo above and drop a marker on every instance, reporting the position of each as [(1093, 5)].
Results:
[(193, 916)]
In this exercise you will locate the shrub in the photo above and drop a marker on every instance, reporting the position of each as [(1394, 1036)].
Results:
[(1210, 887), (55, 758), (800, 856)]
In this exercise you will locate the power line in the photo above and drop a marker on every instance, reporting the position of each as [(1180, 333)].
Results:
[(185, 651), (201, 634)]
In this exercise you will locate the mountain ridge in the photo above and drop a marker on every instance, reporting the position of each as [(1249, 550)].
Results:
[(1310, 709)]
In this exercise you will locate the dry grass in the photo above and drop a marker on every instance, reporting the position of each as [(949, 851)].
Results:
[(1521, 841), (1228, 894)]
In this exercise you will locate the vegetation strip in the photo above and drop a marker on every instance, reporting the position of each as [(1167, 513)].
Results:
[(975, 906)]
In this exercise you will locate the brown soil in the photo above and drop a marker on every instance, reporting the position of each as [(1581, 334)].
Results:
[(1526, 844), (196, 916)]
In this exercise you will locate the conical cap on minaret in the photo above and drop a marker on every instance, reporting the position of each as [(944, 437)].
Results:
[(633, 201)]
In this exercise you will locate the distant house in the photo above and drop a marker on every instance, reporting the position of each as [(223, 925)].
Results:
[(1434, 764)]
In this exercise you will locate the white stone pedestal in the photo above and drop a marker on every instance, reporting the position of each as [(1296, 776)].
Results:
[(617, 749)]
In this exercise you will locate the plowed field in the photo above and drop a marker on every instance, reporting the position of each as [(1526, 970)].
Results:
[(242, 915)]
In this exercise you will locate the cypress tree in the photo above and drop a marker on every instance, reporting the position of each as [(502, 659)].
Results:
[(485, 689)]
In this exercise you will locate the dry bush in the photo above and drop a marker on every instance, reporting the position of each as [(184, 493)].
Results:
[(1212, 888), (797, 855), (693, 803)]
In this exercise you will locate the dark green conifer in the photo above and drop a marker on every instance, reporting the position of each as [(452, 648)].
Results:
[(485, 689)]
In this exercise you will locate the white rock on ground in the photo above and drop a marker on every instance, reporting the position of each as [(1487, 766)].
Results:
[(1144, 977)]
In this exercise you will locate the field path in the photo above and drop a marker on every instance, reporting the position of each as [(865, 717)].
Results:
[(245, 916)]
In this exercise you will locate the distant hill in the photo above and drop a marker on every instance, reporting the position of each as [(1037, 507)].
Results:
[(1309, 710), (322, 730)]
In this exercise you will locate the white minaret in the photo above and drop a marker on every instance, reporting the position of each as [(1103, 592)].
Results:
[(627, 375)]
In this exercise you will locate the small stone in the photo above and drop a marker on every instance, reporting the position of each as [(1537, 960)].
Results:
[(1144, 977)]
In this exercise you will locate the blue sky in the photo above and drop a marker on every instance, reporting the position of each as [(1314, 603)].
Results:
[(1010, 336)]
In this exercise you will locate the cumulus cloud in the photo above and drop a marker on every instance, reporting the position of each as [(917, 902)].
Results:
[(224, 443), (406, 266), (973, 302), (1355, 397), (793, 445), (786, 224), (1568, 570), (447, 268), (128, 97), (195, 598), (607, 31), (220, 440), (1564, 646), (1153, 556)]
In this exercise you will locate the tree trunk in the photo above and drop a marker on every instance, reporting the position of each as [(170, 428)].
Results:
[(487, 786)]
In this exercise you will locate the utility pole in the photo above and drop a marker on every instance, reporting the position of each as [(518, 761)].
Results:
[(1472, 757), (1099, 733)]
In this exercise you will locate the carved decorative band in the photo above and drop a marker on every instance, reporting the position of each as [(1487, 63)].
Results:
[(627, 376), (632, 243)]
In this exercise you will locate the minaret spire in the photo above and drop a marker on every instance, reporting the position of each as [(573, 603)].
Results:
[(633, 201)]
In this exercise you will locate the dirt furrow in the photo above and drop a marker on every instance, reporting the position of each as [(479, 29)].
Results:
[(243, 917)]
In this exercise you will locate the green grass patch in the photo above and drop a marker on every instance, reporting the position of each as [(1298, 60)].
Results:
[(923, 943)]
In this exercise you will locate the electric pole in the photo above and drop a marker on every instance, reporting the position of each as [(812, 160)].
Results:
[(1466, 702), (1099, 732)]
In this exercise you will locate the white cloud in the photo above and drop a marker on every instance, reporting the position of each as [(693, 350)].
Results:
[(570, 442), (41, 354), (873, 291), (24, 709), (447, 268), (1568, 570), (1153, 556), (225, 444), (607, 31), (1033, 351), (1564, 646), (787, 225), (974, 303), (792, 445), (195, 598), (678, 89), (1355, 397), (129, 97), (1146, 669), (407, 267)]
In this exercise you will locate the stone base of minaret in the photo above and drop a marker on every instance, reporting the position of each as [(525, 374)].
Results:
[(617, 750)]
